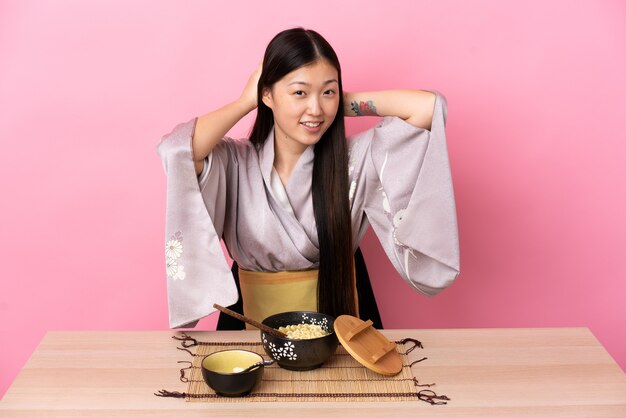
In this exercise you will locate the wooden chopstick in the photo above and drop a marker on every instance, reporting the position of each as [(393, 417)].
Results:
[(250, 321)]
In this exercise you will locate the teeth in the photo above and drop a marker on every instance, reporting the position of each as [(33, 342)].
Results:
[(311, 125)]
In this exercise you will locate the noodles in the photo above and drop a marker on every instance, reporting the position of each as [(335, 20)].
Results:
[(303, 331)]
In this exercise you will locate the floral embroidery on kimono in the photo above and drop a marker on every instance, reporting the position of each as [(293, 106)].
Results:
[(173, 251)]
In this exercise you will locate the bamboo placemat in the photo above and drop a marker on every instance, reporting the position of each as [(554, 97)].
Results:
[(341, 378)]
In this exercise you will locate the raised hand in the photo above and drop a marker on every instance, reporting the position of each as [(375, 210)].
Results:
[(249, 94)]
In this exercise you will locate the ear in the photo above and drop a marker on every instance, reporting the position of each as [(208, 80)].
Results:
[(267, 98)]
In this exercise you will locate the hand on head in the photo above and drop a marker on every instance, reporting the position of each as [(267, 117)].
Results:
[(250, 91)]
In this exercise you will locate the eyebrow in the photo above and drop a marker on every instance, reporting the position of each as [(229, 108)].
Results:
[(308, 84)]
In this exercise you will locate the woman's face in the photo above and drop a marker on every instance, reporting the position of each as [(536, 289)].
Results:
[(307, 94)]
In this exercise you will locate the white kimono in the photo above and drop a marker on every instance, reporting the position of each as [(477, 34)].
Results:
[(400, 183)]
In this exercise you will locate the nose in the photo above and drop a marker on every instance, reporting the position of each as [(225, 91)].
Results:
[(314, 106)]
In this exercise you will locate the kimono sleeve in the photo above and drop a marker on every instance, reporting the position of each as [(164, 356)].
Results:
[(197, 273), (402, 175)]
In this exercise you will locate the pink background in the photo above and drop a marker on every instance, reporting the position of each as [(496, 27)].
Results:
[(536, 95)]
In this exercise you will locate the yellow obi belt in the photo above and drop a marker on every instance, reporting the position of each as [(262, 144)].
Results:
[(267, 293)]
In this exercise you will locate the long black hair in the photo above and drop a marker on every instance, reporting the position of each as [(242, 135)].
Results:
[(286, 52)]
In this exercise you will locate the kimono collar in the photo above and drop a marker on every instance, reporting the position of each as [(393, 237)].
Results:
[(266, 157)]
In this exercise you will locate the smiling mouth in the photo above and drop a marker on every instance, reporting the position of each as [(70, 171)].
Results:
[(311, 125)]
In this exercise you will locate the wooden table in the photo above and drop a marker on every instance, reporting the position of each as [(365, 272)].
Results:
[(557, 372)]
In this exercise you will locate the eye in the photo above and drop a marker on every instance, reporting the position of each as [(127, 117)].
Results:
[(299, 91), (331, 91)]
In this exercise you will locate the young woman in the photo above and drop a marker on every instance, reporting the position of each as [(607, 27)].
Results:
[(293, 201)]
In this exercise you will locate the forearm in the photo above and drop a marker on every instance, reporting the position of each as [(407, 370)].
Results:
[(211, 127), (414, 106)]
